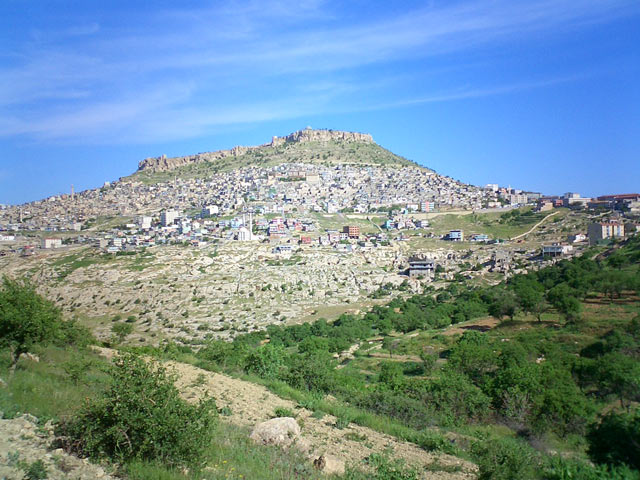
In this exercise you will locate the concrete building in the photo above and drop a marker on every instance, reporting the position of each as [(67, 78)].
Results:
[(51, 242), (544, 206), (599, 232), (353, 231), (210, 210), (500, 262), (480, 237), (556, 249), (144, 222), (456, 236), (421, 267), (168, 217)]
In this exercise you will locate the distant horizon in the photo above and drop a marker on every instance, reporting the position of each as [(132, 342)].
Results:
[(537, 95)]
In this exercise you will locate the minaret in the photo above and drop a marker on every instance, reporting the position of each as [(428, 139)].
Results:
[(72, 193), (250, 226)]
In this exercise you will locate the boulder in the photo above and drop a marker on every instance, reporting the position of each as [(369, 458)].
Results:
[(282, 431), (329, 464)]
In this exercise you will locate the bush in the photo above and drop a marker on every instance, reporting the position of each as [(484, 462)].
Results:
[(26, 318), (504, 459), (560, 468), (142, 417), (283, 412), (382, 468), (615, 439)]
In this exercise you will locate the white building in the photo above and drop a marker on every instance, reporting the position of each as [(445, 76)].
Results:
[(51, 242), (604, 230), (144, 222), (210, 210), (168, 217), (556, 249)]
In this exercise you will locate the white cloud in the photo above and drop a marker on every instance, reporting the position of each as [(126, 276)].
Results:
[(179, 73)]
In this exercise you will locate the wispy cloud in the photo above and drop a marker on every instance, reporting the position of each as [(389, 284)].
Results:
[(180, 73)]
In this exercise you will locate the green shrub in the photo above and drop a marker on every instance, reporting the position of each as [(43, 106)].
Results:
[(504, 459), (142, 417), (560, 468), (615, 439), (381, 468), (343, 420), (283, 412), (34, 471), (26, 318)]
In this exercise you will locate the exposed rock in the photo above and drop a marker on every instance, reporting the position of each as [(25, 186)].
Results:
[(30, 356), (333, 465), (281, 431), (162, 163), (21, 443)]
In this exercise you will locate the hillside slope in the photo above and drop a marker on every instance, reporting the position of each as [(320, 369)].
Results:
[(250, 404)]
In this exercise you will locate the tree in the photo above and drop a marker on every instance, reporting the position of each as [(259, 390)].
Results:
[(530, 295), (616, 439), (26, 318), (504, 304), (619, 374), (456, 398), (391, 375), (121, 330), (504, 459), (562, 298), (266, 361), (390, 344), (141, 416)]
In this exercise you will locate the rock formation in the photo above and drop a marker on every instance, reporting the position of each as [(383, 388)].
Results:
[(163, 164), (282, 431)]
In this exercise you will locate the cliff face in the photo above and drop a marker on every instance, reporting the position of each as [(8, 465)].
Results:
[(163, 164)]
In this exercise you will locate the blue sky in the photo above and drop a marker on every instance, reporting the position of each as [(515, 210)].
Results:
[(538, 94)]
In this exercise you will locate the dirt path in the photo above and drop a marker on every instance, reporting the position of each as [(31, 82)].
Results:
[(534, 227), (251, 404)]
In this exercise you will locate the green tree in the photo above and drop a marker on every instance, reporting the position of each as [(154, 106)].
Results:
[(505, 303), (391, 375), (563, 299), (266, 361), (504, 459), (141, 416), (619, 375), (121, 331), (616, 439), (473, 355), (530, 295), (26, 318), (456, 398)]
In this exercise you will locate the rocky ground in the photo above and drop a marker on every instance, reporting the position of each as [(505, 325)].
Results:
[(220, 290), (25, 447)]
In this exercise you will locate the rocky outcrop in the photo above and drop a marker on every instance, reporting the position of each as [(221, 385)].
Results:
[(163, 163), (310, 135), (281, 431), (25, 445)]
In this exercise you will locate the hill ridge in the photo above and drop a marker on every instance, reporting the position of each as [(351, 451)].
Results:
[(307, 135)]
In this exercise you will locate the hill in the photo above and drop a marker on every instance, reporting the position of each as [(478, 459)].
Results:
[(305, 146)]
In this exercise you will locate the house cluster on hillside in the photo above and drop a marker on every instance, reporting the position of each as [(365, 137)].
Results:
[(285, 188)]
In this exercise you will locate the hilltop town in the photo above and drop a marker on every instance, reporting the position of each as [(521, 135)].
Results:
[(308, 226)]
